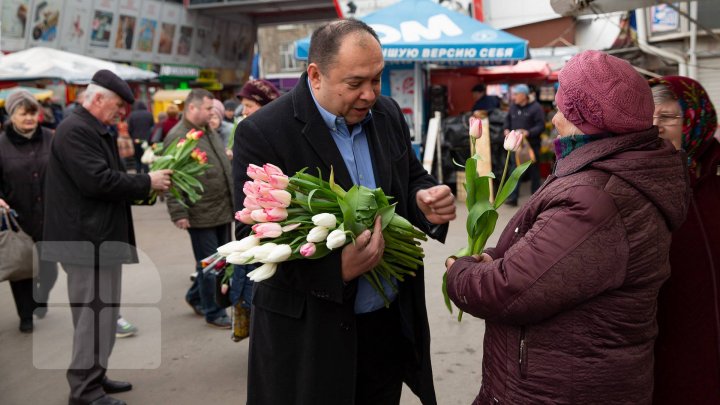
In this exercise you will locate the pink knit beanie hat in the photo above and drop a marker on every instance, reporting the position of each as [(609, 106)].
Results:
[(218, 109), (600, 93)]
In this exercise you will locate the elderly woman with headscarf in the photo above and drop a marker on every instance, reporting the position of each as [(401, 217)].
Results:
[(687, 353), (255, 94), (570, 291), (24, 153)]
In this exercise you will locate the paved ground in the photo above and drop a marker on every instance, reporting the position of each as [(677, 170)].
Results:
[(176, 358)]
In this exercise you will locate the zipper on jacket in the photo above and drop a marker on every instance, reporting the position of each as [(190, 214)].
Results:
[(522, 355)]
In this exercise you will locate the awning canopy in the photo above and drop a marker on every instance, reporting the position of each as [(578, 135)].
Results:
[(522, 71), (48, 63), (176, 96), (423, 31), (40, 94)]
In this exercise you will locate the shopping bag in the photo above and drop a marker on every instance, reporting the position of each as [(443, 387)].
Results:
[(16, 249), (525, 153)]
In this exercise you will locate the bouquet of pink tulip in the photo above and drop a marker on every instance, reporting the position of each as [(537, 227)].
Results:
[(482, 210), (305, 217), (187, 162)]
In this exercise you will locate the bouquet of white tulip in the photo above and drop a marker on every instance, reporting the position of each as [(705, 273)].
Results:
[(305, 217)]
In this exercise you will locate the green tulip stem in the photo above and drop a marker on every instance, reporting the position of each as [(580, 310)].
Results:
[(502, 179)]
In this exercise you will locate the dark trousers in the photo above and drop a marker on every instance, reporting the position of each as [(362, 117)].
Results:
[(94, 295), (33, 292), (22, 291), (47, 275), (380, 357), (205, 242)]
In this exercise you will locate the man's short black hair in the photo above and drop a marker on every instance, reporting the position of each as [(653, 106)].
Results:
[(325, 41), (197, 95), (480, 88)]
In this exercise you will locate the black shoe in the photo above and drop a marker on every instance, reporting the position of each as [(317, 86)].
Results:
[(107, 400), (511, 203), (113, 387), (26, 325)]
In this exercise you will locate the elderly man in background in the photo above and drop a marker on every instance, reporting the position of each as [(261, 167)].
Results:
[(89, 230)]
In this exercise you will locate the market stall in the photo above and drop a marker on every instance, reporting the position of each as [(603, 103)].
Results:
[(417, 35), (40, 94)]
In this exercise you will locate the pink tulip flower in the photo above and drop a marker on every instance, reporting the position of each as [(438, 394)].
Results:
[(279, 182), (251, 203), (267, 230), (513, 140), (269, 215), (475, 127), (275, 199), (271, 170), (256, 173), (308, 249), (244, 216)]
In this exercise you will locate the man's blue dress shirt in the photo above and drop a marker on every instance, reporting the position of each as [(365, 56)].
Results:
[(355, 151)]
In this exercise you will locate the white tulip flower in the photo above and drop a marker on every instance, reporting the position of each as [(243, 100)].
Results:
[(241, 257), (241, 245), (263, 272), (325, 219), (317, 234), (263, 251), (336, 239), (279, 254)]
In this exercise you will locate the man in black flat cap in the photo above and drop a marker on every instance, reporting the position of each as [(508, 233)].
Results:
[(88, 228)]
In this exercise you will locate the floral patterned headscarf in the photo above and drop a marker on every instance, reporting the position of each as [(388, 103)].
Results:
[(699, 116)]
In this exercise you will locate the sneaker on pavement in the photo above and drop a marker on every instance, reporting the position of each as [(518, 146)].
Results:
[(124, 328), (221, 322)]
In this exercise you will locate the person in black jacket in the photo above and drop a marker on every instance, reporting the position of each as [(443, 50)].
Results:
[(89, 230), (24, 150), (319, 333), (526, 116), (140, 125)]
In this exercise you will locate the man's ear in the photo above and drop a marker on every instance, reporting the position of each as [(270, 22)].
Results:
[(314, 75)]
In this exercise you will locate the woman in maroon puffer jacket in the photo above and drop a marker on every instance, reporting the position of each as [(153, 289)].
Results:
[(569, 294), (687, 352)]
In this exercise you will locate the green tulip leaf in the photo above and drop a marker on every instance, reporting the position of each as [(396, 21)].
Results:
[(511, 183)]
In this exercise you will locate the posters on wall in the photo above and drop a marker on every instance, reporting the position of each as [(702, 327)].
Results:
[(240, 44), (147, 31), (202, 47), (102, 28), (44, 22), (14, 15), (218, 41), (126, 29), (184, 42), (168, 27), (402, 89), (76, 25)]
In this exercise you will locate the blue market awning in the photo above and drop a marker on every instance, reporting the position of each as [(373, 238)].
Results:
[(423, 31)]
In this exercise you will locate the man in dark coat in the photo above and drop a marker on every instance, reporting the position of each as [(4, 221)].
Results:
[(140, 125), (319, 334), (209, 220), (88, 228)]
